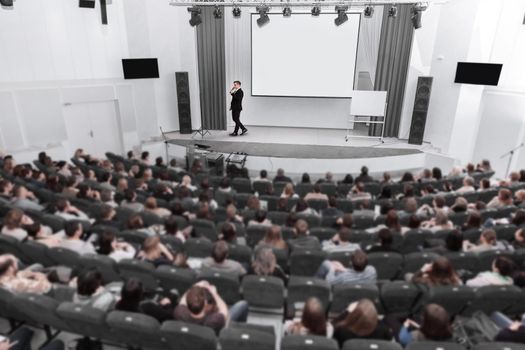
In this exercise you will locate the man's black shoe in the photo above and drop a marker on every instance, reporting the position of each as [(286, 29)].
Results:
[(244, 132), (233, 134)]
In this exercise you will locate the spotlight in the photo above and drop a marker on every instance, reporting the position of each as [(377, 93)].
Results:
[(195, 19), (341, 14), (316, 11), (417, 14), (236, 12), (8, 4), (217, 12), (392, 12), (88, 4), (263, 15), (287, 11), (369, 11)]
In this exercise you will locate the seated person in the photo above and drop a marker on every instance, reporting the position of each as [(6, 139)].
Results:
[(302, 208), (13, 224), (25, 281), (132, 299), (69, 212), (136, 223), (171, 227), (468, 185), (313, 321), (130, 201), (73, 239), (487, 241), (260, 219), (438, 273), (289, 192), (91, 292), (360, 321), (302, 238), (273, 238), (332, 210), (219, 260), (228, 233), (340, 242), (358, 192), (316, 194), (438, 223), (25, 199), (156, 253), (202, 305), (109, 246), (265, 264), (502, 270), (453, 244), (385, 244), (108, 217), (435, 326), (510, 331), (232, 216), (21, 339), (280, 177), (360, 272), (503, 199), (151, 206)]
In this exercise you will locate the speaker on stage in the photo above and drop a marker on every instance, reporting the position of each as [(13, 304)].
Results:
[(419, 115), (183, 101)]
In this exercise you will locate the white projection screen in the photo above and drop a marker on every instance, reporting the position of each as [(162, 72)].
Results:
[(304, 56)]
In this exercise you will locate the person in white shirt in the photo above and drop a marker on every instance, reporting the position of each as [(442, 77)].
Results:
[(502, 268), (288, 191), (109, 246), (468, 185), (72, 240), (263, 176), (316, 194), (340, 242), (69, 212)]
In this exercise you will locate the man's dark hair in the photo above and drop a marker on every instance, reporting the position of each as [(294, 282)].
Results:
[(359, 261), (61, 204), (196, 299), (237, 82), (364, 170), (129, 194), (504, 265), (220, 251), (345, 234), (88, 282), (263, 174), (332, 202), (71, 227), (159, 161), (171, 225), (104, 177), (454, 241), (144, 155)]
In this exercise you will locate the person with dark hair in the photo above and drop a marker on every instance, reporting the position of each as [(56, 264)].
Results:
[(438, 273), (519, 239), (202, 305), (156, 253), (332, 210), (144, 158), (305, 178), (86, 192), (236, 108), (360, 272), (340, 242), (228, 233), (385, 244), (73, 239), (69, 212), (360, 320), (171, 228), (260, 219), (108, 217), (132, 299), (501, 274), (316, 194), (364, 177), (437, 174), (109, 246), (347, 180), (474, 221), (91, 292), (312, 322), (387, 180), (518, 218), (219, 260), (435, 326), (130, 201), (438, 223), (407, 177), (302, 238), (280, 177), (263, 176)]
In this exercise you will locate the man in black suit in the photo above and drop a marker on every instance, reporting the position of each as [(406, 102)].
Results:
[(236, 108)]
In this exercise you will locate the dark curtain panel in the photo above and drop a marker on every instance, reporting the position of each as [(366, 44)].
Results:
[(392, 66), (210, 53)]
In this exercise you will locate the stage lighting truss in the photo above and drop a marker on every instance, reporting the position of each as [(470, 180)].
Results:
[(306, 5)]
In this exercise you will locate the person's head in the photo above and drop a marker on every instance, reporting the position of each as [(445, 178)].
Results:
[(159, 161), (273, 234), (345, 234), (439, 202), (484, 184), (407, 177), (505, 196), (359, 261), (435, 323), (332, 202), (62, 204), (225, 183), (253, 203), (288, 189), (520, 195), (280, 172), (135, 222), (347, 220), (441, 218), (73, 229), (237, 84), (107, 212), (386, 239), (414, 222), (514, 176), (519, 235), (436, 173), (150, 203), (442, 272), (361, 319), (89, 282), (106, 241), (473, 220), (220, 251), (329, 177), (228, 232), (260, 216), (196, 299), (454, 241), (364, 171), (301, 205), (314, 317), (6, 187), (488, 237), (485, 165), (264, 262), (348, 179), (408, 191), (301, 228), (503, 265), (13, 218), (8, 265), (411, 205), (131, 295), (151, 247), (21, 192), (392, 220), (130, 195), (317, 188), (171, 226), (460, 204), (427, 173), (231, 211), (144, 155), (122, 184), (468, 181)]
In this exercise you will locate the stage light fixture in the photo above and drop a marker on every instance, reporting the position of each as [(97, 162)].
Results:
[(392, 12), (342, 17), (316, 11), (88, 4), (196, 18), (236, 12), (287, 11), (369, 11), (217, 12), (7, 4), (417, 13), (263, 15)]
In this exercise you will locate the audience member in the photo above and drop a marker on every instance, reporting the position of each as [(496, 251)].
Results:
[(360, 272), (312, 322), (91, 292), (435, 326), (502, 269), (340, 242), (73, 239), (219, 260)]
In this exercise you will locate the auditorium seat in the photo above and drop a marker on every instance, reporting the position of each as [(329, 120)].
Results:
[(306, 262), (172, 242), (414, 240), (151, 219), (171, 278), (240, 253), (187, 336), (227, 284), (302, 189), (328, 188), (370, 344), (323, 233), (35, 253), (467, 261), (505, 232), (133, 237), (415, 261), (263, 292), (254, 234), (63, 257), (135, 330), (242, 185), (141, 270), (278, 187), (104, 264), (345, 205), (388, 265), (271, 201), (458, 219), (277, 217), (399, 297), (486, 258), (342, 257), (345, 294), (241, 199), (498, 346), (430, 345), (84, 320), (300, 342), (10, 245), (373, 188), (454, 299), (204, 228), (301, 288), (312, 220), (198, 247), (262, 187), (472, 235), (246, 339), (494, 298), (362, 222)]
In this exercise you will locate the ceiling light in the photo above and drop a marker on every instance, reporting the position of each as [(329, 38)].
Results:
[(236, 12), (263, 15), (316, 11), (341, 14), (195, 19), (369, 11)]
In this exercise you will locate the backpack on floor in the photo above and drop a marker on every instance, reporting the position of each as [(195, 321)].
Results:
[(478, 328)]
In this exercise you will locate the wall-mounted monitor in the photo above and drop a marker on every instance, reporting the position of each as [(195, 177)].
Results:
[(140, 68), (478, 73)]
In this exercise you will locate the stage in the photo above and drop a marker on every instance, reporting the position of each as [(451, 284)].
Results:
[(315, 151)]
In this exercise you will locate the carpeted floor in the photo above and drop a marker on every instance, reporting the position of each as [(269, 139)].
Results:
[(281, 150)]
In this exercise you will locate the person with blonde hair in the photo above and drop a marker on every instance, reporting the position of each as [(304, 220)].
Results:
[(150, 205), (360, 321), (288, 191), (273, 238), (265, 264), (438, 223), (153, 251)]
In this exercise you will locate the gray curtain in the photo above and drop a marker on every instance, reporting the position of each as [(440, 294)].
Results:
[(212, 70), (392, 66)]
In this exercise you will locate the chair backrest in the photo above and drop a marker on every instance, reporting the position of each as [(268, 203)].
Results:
[(495, 298), (242, 185), (499, 346), (171, 278), (317, 204), (454, 299), (84, 320), (180, 335), (198, 247), (106, 265), (205, 228), (487, 257), (134, 329), (263, 291), (262, 187), (388, 265), (399, 297), (414, 240), (254, 233), (64, 257), (306, 262), (345, 294), (55, 222), (328, 188), (227, 284), (246, 339), (433, 345), (414, 261), (240, 253), (142, 270), (371, 344), (41, 309), (300, 342), (322, 233), (302, 288)]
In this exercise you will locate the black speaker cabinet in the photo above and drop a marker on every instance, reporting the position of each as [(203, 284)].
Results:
[(419, 115), (183, 101)]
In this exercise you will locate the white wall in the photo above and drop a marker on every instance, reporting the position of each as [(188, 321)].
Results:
[(287, 111)]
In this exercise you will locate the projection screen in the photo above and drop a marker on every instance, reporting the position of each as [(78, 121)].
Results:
[(304, 56)]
